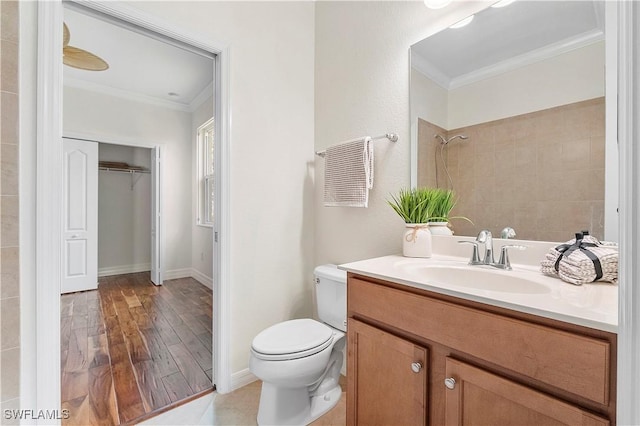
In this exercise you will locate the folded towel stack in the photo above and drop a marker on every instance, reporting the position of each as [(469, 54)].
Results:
[(582, 260)]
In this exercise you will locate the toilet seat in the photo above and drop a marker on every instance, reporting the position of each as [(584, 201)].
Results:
[(292, 340)]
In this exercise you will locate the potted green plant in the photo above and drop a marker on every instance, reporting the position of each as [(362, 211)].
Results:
[(425, 211), (415, 207), (442, 202)]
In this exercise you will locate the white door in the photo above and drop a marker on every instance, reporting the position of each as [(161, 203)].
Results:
[(80, 232), (156, 252)]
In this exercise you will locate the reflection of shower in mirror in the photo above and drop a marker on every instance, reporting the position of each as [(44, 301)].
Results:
[(444, 142)]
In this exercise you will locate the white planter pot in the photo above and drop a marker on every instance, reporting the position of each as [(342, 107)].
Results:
[(440, 228), (417, 240)]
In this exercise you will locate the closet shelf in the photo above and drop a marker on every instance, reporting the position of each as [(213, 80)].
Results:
[(123, 170), (132, 170)]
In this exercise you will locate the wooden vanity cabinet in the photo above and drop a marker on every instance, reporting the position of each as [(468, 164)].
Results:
[(508, 367)]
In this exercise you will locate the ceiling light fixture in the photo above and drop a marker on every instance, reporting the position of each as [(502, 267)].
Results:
[(502, 3), (436, 4), (462, 23)]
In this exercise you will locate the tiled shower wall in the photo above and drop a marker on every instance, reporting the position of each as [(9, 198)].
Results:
[(9, 261), (541, 173)]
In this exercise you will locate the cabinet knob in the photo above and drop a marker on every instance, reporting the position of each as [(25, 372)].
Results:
[(450, 382), (416, 367)]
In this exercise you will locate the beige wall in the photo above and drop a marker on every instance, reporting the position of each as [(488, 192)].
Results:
[(9, 208), (541, 173), (362, 88)]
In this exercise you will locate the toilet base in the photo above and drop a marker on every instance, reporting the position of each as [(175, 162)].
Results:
[(321, 404), (281, 406)]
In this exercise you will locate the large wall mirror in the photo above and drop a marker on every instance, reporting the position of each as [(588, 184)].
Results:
[(509, 112)]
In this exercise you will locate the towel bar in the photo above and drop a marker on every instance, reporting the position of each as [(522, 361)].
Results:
[(393, 137)]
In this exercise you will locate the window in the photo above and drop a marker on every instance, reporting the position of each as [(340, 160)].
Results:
[(206, 184)]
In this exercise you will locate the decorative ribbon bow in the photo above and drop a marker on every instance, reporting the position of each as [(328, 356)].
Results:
[(413, 236), (567, 249)]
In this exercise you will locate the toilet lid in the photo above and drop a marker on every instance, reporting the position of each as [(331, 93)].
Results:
[(291, 336)]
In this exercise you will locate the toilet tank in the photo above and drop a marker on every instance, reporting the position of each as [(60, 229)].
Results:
[(331, 296)]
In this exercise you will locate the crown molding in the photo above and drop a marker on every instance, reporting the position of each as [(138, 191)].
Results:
[(197, 102), (425, 67), (124, 94)]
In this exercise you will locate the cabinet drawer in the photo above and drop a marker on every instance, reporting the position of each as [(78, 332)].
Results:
[(571, 362)]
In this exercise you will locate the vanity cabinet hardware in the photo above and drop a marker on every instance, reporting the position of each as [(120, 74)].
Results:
[(450, 383), (416, 367)]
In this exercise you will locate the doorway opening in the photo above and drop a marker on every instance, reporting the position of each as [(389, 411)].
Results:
[(137, 339)]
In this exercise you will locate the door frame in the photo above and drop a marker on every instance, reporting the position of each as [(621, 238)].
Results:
[(133, 143), (48, 217)]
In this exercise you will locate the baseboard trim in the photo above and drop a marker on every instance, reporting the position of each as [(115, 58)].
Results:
[(202, 278), (124, 269), (241, 378), (177, 273)]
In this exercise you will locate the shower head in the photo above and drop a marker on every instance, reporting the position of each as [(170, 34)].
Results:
[(444, 141)]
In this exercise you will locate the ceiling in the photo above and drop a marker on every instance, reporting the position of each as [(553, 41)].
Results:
[(498, 35), (140, 67)]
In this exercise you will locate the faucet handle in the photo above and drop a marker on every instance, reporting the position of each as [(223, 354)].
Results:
[(504, 263), (475, 257), (507, 233)]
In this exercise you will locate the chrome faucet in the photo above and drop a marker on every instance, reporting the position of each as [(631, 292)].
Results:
[(485, 237)]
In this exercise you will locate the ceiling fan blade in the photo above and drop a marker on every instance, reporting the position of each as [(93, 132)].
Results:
[(66, 35), (81, 59)]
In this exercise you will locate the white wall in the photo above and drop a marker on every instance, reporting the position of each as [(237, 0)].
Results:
[(112, 118), (124, 213), (574, 76), (429, 101), (202, 236), (362, 87), (272, 77)]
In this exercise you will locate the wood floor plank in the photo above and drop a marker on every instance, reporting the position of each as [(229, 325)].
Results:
[(206, 339), (77, 351), (192, 322), (129, 348), (95, 323), (200, 352), (75, 384), (130, 405), (101, 398), (137, 348), (177, 387), (98, 352), (163, 361), (195, 376), (151, 387)]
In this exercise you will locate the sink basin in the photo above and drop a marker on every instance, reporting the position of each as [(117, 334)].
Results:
[(478, 278)]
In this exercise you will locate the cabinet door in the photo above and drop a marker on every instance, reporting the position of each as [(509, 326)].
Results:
[(387, 378), (481, 398)]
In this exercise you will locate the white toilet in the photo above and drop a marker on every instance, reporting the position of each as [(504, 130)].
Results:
[(299, 361)]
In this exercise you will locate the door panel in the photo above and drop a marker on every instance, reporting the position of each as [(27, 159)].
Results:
[(390, 376), (156, 228), (479, 397), (80, 233)]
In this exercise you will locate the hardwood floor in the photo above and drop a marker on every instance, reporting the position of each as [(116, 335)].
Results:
[(131, 348)]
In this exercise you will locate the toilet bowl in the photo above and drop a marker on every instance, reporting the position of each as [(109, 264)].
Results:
[(299, 361)]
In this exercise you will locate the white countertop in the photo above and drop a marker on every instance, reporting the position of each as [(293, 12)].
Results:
[(588, 305)]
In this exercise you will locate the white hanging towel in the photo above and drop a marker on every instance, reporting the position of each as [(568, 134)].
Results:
[(348, 174)]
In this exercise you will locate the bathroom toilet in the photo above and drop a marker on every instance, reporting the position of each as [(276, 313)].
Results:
[(299, 361)]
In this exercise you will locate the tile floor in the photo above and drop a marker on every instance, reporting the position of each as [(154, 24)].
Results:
[(241, 407)]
